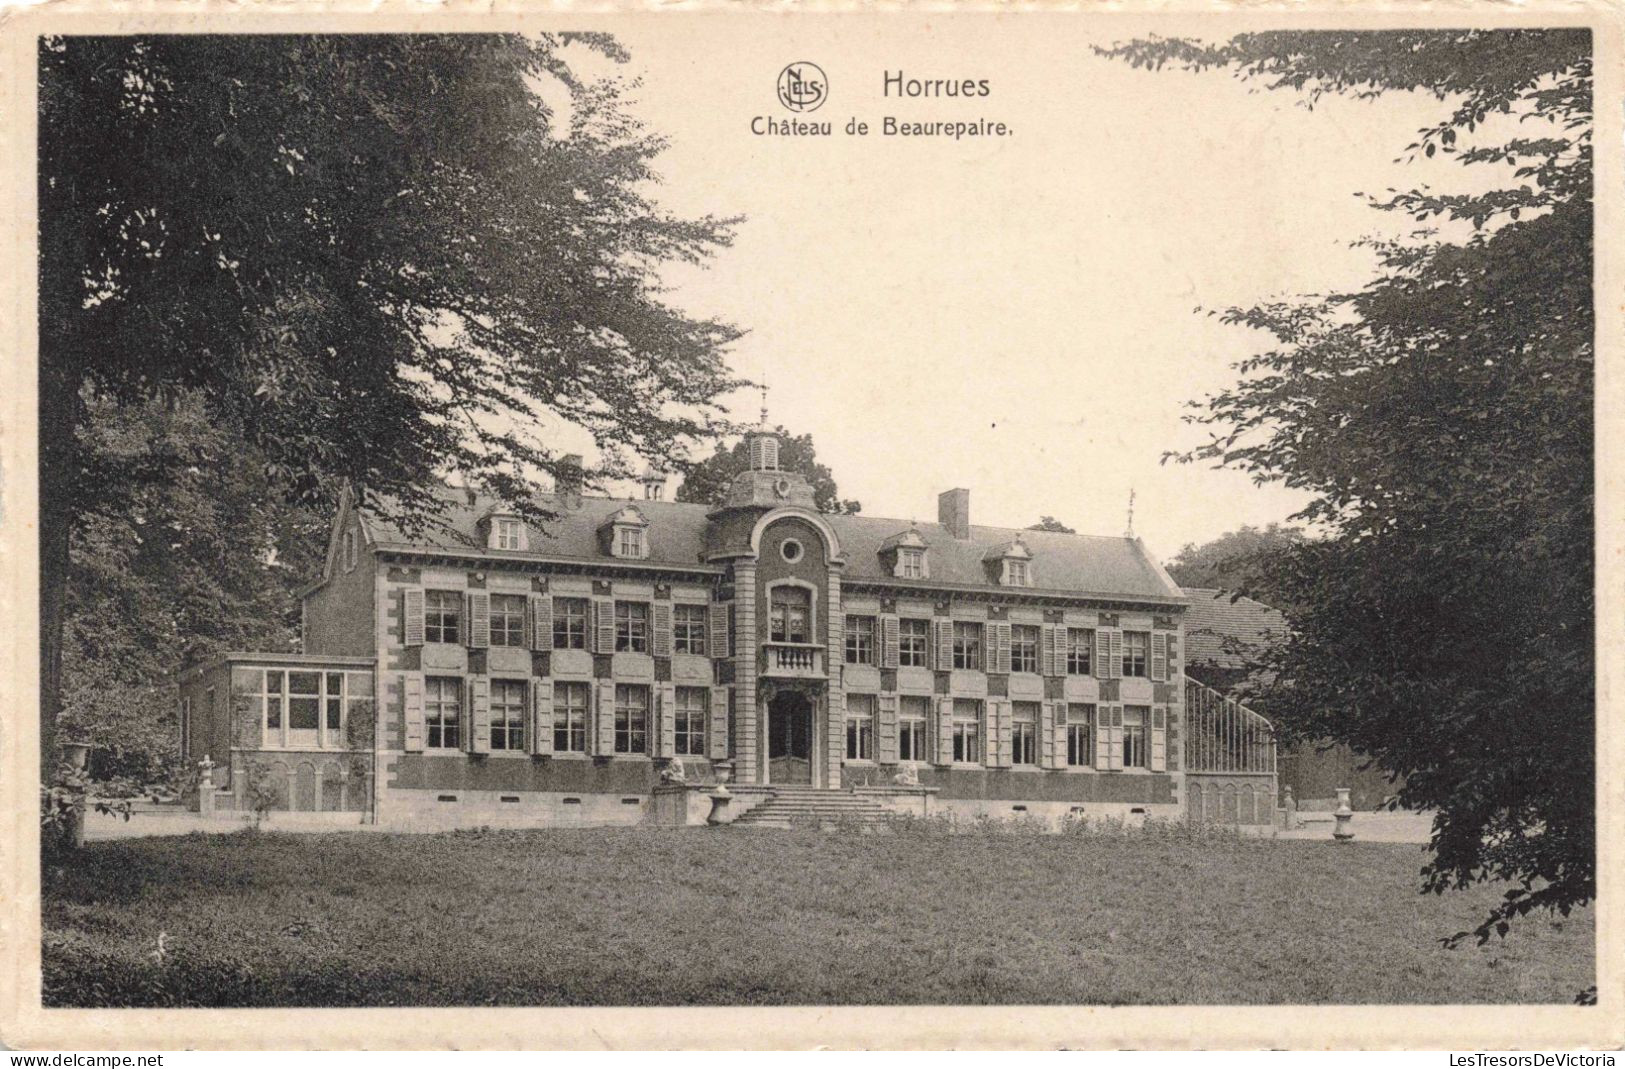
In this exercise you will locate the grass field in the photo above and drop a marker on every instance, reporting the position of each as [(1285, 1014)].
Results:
[(708, 916)]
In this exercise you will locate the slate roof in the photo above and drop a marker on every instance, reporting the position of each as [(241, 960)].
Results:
[(1217, 615), (676, 536)]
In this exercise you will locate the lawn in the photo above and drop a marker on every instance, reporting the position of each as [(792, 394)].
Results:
[(709, 916)]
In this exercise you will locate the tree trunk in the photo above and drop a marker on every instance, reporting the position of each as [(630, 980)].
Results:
[(59, 409)]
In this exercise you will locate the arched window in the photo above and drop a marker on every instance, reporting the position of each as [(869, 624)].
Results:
[(789, 614)]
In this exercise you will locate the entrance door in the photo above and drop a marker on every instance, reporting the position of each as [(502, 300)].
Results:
[(789, 739)]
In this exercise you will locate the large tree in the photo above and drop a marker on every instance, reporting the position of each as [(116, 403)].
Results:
[(708, 481), (1442, 418), (375, 257)]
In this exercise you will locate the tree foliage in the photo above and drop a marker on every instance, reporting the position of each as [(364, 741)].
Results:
[(378, 258), (1050, 523), (1442, 418), (707, 482), (1236, 560)]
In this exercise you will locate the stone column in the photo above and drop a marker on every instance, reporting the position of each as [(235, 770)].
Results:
[(835, 700), (747, 717)]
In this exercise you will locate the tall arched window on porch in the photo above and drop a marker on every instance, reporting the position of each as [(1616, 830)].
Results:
[(789, 611)]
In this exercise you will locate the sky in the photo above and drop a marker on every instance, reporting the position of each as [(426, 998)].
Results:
[(1021, 316)]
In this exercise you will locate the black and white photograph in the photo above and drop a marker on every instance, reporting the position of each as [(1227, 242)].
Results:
[(919, 509)]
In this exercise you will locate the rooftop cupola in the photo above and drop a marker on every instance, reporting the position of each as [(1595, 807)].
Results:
[(764, 484)]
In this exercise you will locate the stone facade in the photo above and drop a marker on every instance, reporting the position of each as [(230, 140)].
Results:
[(559, 674)]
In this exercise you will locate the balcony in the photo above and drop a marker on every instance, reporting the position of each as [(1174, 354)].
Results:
[(793, 660)]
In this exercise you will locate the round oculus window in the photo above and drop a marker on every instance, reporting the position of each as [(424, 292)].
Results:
[(790, 550)]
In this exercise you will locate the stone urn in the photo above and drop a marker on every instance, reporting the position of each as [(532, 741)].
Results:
[(721, 799), (1345, 816)]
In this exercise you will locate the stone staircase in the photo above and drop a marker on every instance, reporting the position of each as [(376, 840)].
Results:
[(790, 805)]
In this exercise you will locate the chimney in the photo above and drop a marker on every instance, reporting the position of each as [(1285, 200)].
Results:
[(953, 512), (567, 480)]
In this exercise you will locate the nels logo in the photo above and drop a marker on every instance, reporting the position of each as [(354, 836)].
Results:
[(803, 87)]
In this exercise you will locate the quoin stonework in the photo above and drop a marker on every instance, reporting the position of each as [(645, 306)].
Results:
[(614, 664)]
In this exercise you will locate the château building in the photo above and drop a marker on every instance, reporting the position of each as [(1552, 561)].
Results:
[(581, 670)]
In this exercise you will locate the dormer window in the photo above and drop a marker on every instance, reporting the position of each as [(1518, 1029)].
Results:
[(625, 534), (503, 531), (629, 542), (1010, 564), (904, 555)]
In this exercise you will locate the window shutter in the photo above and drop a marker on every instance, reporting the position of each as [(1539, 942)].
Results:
[(1103, 737), (886, 726), (945, 644), (665, 728), (1117, 653), (1103, 653), (890, 644), (1116, 713), (990, 732), (1046, 737), (541, 716), (412, 709), (479, 619), (412, 617), (1159, 656), (717, 743), (603, 718), (1159, 739), (541, 621), (1051, 651), (661, 617), (1006, 756), (1000, 654), (478, 689), (603, 619), (945, 731), (718, 632)]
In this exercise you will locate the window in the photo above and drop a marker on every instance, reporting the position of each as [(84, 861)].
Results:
[(967, 728), (350, 554), (569, 718), (1024, 733), (273, 705), (442, 616), (442, 710), (1135, 718), (691, 714), (1023, 648), (790, 550), (508, 714), (1080, 735), (911, 563), (860, 640), (967, 645), (1080, 643), (508, 620), (333, 708), (1015, 573), (631, 718), (1135, 644), (860, 727), (508, 534), (788, 614), (911, 717), (911, 639), (569, 623), (629, 542), (631, 627), (304, 707), (688, 629)]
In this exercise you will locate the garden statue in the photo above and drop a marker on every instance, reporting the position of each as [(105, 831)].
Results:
[(675, 772), (906, 777)]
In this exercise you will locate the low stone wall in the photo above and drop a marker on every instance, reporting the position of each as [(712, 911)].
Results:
[(414, 809), (1050, 814)]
